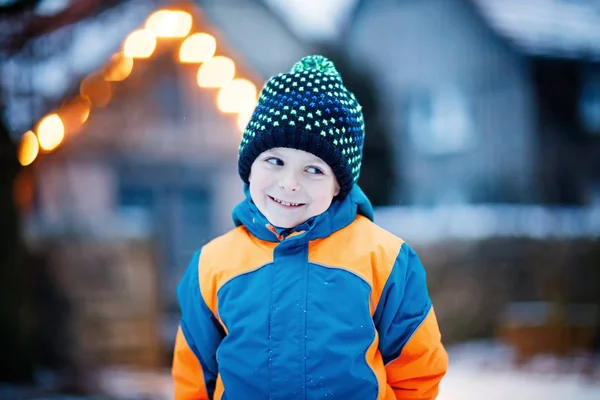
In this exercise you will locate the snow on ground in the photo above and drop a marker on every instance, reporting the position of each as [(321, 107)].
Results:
[(124, 384), (485, 370), (468, 378), (478, 370), (464, 383)]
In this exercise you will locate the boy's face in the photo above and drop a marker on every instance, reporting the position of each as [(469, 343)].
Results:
[(290, 186)]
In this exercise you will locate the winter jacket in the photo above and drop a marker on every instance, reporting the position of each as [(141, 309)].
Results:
[(335, 308)]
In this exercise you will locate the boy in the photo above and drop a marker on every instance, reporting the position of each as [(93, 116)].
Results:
[(306, 298)]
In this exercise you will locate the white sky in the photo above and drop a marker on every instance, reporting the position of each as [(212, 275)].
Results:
[(314, 19)]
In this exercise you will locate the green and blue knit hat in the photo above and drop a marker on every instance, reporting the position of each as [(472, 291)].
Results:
[(308, 109)]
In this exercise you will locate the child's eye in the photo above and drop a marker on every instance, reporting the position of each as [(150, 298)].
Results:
[(274, 161), (314, 170)]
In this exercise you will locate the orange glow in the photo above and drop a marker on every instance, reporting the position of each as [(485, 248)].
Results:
[(170, 23), (244, 117), (50, 132), (216, 72), (237, 95), (96, 90), (23, 189), (28, 148), (119, 68), (74, 114), (140, 44), (84, 106), (197, 48)]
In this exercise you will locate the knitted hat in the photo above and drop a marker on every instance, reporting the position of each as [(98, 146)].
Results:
[(308, 109)]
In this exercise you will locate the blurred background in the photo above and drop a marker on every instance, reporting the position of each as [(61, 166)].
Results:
[(119, 127)]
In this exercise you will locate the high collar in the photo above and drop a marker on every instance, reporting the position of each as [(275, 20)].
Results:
[(340, 214)]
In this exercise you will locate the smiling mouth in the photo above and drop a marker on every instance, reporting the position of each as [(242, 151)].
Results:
[(286, 203)]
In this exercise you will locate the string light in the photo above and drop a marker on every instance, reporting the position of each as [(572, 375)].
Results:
[(236, 96)]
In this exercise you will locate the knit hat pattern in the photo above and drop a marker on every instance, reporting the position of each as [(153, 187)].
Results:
[(309, 109)]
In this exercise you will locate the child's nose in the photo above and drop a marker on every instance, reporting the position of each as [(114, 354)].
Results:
[(289, 181)]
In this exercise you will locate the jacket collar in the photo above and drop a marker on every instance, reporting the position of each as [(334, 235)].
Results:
[(340, 214)]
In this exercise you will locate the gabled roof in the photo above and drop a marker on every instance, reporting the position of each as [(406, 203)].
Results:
[(257, 33), (105, 41), (545, 28), (80, 49), (551, 28)]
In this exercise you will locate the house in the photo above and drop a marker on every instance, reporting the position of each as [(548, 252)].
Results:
[(560, 40), (491, 101), (155, 155)]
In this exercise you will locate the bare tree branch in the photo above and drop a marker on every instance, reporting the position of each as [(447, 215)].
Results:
[(28, 27)]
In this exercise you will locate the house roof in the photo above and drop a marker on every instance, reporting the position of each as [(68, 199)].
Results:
[(549, 28), (84, 47), (250, 30), (89, 45), (544, 28), (257, 33)]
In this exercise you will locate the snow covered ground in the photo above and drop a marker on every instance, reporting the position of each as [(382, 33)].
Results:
[(485, 371), (478, 371), (464, 383)]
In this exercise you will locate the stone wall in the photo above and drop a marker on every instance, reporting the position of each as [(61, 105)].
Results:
[(108, 289)]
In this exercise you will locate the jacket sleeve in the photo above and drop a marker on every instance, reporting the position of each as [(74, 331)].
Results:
[(409, 336), (199, 334)]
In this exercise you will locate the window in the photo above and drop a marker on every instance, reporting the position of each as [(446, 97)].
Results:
[(595, 194), (136, 197), (189, 227), (194, 220), (168, 96), (589, 103), (439, 122)]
